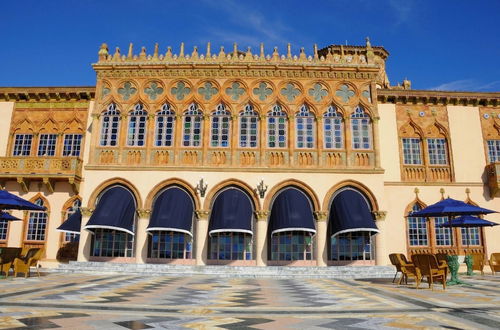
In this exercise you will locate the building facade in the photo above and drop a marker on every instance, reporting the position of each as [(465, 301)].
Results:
[(247, 159)]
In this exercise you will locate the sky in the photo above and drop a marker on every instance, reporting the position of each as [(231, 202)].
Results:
[(441, 45)]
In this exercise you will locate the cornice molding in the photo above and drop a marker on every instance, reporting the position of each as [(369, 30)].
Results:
[(53, 94), (428, 97)]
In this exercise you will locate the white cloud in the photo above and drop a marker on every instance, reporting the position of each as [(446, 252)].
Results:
[(472, 85)]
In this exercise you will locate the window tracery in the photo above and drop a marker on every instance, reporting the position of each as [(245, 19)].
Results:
[(221, 125), (110, 126), (137, 126), (277, 128), (165, 126), (192, 128), (361, 129), (305, 128), (249, 127), (333, 126)]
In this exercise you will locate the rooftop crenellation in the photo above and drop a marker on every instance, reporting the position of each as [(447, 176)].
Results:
[(338, 55)]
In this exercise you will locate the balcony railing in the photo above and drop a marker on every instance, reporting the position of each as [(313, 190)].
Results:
[(45, 169)]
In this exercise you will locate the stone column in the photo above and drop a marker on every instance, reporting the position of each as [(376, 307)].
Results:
[(376, 142), (200, 246), (94, 137), (85, 236), (141, 236), (260, 237), (381, 253), (320, 242)]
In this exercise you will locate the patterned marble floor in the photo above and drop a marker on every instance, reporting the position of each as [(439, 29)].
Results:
[(83, 301)]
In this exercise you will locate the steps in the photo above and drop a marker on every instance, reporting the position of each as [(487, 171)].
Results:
[(340, 272)]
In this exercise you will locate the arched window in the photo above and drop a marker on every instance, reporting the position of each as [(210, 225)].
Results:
[(137, 126), (412, 154), (249, 127), (417, 229), (165, 126), (110, 126), (192, 126), (277, 129), (442, 234), (221, 126), (438, 151), (361, 129), (333, 125), (72, 237), (37, 224), (304, 123)]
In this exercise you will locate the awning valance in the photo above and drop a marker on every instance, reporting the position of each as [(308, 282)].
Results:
[(231, 212), (172, 211), (292, 211), (72, 224), (350, 212), (115, 210)]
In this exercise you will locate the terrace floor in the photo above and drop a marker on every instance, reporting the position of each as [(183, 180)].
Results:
[(93, 301)]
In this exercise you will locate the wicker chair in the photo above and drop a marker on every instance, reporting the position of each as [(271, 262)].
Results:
[(23, 264), (428, 266), (495, 263), (393, 257), (478, 262), (407, 269), (7, 257)]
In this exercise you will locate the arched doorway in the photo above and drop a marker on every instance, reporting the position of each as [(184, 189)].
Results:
[(291, 228), (170, 227), (231, 228), (113, 224), (351, 228)]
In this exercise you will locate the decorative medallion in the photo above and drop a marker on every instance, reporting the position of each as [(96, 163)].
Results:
[(486, 116), (421, 113), (263, 91), (105, 91), (290, 92), (344, 93), (235, 91), (153, 90), (127, 90), (181, 90), (318, 92), (207, 91)]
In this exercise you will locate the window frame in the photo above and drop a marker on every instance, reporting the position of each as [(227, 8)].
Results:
[(248, 115), (361, 122), (273, 117), (73, 148), (493, 150), (110, 127), (305, 128), (137, 126), (412, 151), (220, 127), (195, 115), (162, 136), (47, 145), (38, 221), (418, 221), (434, 152), (22, 145), (335, 119)]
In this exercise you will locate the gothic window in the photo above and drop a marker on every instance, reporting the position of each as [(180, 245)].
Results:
[(333, 125), (37, 224), (72, 237), (22, 144), (361, 129), (249, 127), (47, 145), (110, 126), (437, 151), (304, 122), (221, 125), (277, 129), (72, 144), (443, 234), (137, 126), (417, 229), (471, 236), (412, 154), (165, 126), (193, 118), (493, 151)]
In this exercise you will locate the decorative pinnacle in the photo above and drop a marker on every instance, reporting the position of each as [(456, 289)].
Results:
[(441, 191), (467, 192), (416, 191), (155, 54), (194, 54), (368, 44), (315, 50), (235, 50), (208, 50), (103, 52), (276, 55), (116, 55), (168, 54), (262, 55), (142, 54), (130, 51), (181, 53), (289, 51)]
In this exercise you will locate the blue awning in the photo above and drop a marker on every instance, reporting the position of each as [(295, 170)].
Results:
[(172, 211), (72, 224), (115, 210), (292, 211), (350, 212), (231, 212)]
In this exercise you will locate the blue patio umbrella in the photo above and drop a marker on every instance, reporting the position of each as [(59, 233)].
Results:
[(450, 207), (7, 216), (10, 201)]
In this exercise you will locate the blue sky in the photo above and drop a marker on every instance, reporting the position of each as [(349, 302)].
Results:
[(446, 45)]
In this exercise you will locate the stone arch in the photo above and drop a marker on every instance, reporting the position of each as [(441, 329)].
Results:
[(69, 203), (293, 183), (410, 129), (148, 203), (354, 184), (45, 201), (416, 200), (209, 199), (111, 182)]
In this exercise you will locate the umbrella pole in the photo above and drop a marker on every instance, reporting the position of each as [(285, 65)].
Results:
[(453, 259)]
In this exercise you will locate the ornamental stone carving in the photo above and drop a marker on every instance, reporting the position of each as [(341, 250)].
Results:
[(320, 215), (143, 213), (153, 91), (345, 93), (86, 211), (379, 215), (202, 214), (262, 91), (262, 215), (180, 90), (127, 90)]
